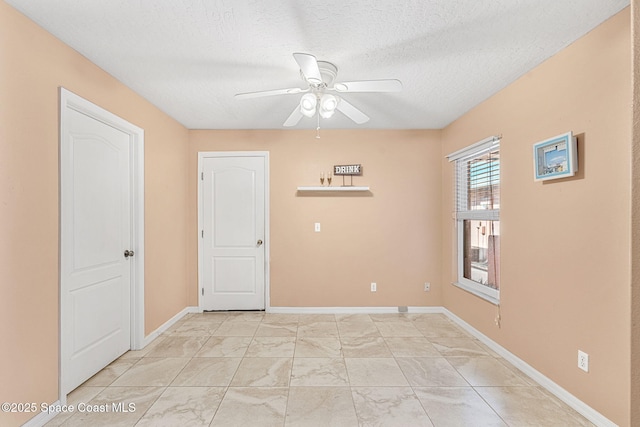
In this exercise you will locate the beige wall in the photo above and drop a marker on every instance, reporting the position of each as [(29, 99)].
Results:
[(33, 64), (565, 244), (635, 216), (390, 236)]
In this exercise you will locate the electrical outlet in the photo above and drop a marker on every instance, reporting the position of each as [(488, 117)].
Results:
[(374, 287), (583, 361), (427, 286), (317, 227)]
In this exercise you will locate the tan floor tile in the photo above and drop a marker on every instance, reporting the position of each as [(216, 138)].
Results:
[(457, 406), (271, 347), (457, 347), (152, 371), (518, 372), (305, 319), (411, 347), (320, 406), (398, 329), (528, 406), (353, 318), (215, 316), (564, 407), (224, 347), (245, 316), (485, 371), (208, 372), (430, 371), (194, 328), (318, 329), (183, 406), (141, 398), (358, 329), (247, 406), (178, 346), (391, 317), (82, 394), (364, 347), (428, 317), (236, 328), (277, 330), (319, 372), (318, 347), (263, 372), (440, 329), (389, 406), (110, 373), (280, 319), (374, 372), (136, 354)]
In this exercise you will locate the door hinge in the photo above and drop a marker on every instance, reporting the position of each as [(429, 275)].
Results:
[(202, 234), (201, 176), (202, 291)]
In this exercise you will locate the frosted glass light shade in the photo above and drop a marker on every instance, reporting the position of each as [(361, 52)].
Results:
[(308, 104), (328, 104)]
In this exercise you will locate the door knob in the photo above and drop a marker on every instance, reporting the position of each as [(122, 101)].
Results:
[(128, 253), (260, 242)]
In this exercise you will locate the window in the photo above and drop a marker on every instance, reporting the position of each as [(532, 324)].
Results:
[(477, 215)]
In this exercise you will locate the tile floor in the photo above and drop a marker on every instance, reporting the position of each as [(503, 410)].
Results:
[(257, 369)]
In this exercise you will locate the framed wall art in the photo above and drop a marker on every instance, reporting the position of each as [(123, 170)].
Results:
[(555, 157)]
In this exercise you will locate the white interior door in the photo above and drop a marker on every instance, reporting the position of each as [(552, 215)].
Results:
[(95, 232), (233, 233)]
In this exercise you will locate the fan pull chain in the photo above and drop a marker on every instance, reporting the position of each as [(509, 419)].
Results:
[(318, 128)]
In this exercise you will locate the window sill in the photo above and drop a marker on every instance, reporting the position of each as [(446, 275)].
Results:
[(489, 298)]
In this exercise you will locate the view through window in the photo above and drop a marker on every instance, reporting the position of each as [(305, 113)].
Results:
[(478, 219)]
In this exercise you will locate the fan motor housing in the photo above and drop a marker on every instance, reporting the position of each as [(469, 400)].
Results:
[(328, 71)]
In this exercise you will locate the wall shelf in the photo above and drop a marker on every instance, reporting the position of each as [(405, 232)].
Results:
[(327, 189)]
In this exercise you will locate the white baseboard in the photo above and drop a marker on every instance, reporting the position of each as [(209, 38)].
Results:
[(585, 410), (166, 325), (351, 310), (42, 418)]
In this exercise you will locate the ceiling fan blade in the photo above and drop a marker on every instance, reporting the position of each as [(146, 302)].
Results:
[(262, 93), (388, 85), (309, 67), (294, 118), (352, 112)]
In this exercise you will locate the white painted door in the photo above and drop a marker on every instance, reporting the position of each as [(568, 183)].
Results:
[(233, 212), (95, 232)]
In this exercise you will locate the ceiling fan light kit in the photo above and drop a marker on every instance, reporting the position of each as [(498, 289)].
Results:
[(328, 104), (308, 104), (320, 77)]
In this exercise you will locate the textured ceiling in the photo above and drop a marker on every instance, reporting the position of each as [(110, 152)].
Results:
[(189, 57)]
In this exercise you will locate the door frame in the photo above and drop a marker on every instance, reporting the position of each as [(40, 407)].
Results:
[(70, 101), (267, 241)]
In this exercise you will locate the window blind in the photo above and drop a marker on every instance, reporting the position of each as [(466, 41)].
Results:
[(478, 184)]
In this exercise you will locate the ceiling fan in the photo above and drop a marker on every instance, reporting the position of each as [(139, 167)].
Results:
[(320, 77)]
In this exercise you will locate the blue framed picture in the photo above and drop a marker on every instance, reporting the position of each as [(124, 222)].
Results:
[(555, 157)]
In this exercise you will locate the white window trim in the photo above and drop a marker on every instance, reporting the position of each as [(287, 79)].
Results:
[(489, 294), (486, 144)]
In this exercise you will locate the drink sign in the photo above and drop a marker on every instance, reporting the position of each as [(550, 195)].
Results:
[(347, 170)]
